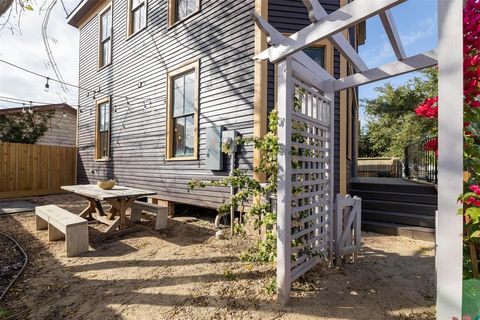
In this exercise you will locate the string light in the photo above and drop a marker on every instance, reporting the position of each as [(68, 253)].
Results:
[(23, 109), (47, 86), (68, 84), (64, 114), (30, 108)]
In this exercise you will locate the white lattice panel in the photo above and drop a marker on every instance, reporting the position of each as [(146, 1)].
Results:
[(305, 171)]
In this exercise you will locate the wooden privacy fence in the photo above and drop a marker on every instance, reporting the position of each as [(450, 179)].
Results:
[(34, 170), (379, 167)]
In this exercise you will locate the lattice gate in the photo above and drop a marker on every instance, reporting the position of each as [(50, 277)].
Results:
[(305, 187)]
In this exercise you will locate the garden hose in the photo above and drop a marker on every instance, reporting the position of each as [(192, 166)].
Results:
[(21, 270)]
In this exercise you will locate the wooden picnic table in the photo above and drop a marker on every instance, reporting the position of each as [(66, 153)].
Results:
[(120, 198)]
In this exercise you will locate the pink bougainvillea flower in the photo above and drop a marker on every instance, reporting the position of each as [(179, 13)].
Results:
[(475, 188)]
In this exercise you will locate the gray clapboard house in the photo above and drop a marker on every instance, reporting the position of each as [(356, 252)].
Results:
[(161, 72)]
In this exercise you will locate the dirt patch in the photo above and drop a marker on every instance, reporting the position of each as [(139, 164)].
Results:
[(185, 273), (11, 262)]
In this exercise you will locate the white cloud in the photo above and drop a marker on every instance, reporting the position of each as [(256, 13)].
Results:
[(27, 50), (425, 29)]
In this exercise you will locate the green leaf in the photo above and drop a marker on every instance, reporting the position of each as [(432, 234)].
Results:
[(28, 7), (476, 234), (474, 214)]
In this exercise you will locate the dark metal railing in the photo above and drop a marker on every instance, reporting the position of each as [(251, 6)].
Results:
[(420, 164)]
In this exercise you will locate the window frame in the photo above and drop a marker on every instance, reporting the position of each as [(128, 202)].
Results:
[(130, 21), (100, 43), (97, 151), (172, 12), (172, 74), (328, 61)]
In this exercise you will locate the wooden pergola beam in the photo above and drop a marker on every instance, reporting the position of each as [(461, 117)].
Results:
[(413, 63), (316, 12), (335, 22), (392, 34), (275, 37)]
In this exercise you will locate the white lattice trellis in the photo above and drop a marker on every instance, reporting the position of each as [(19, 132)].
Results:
[(305, 165)]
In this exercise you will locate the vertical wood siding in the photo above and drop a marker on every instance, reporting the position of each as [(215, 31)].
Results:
[(289, 16), (221, 36), (34, 170)]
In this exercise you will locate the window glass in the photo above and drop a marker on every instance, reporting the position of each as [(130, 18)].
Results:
[(183, 105), (103, 128), (185, 8), (138, 15), (317, 54), (189, 93), (105, 45), (106, 23), (178, 96)]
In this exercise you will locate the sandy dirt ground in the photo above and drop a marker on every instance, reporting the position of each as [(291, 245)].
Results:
[(183, 272)]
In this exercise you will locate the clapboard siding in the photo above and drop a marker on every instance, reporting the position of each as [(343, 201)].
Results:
[(289, 16), (221, 36)]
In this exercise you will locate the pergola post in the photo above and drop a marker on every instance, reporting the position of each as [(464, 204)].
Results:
[(450, 161), (284, 189)]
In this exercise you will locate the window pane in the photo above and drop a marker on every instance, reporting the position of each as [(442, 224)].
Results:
[(103, 130), (189, 93), (105, 53), (138, 17), (189, 135), (178, 95), (191, 6), (179, 137), (317, 54), (185, 8), (105, 25)]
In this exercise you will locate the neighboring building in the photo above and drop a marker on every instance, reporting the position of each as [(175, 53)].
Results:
[(186, 66), (62, 123)]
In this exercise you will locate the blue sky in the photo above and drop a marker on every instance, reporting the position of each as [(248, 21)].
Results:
[(416, 21)]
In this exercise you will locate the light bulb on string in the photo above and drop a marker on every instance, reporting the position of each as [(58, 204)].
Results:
[(64, 114), (30, 108), (47, 86), (23, 109)]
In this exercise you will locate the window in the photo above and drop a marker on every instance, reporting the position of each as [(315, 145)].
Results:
[(180, 9), (183, 113), (105, 45), (102, 136), (137, 16), (317, 54)]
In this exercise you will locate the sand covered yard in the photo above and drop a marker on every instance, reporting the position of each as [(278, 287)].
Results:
[(185, 273)]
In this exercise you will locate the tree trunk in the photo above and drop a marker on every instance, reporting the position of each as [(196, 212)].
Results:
[(4, 6)]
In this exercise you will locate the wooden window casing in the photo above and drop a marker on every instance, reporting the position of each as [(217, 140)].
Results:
[(172, 132), (327, 59), (102, 129), (179, 10), (136, 16), (105, 37)]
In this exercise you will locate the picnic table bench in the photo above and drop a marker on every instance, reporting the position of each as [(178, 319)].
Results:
[(63, 224), (145, 209)]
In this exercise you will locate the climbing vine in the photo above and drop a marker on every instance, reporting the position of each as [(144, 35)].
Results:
[(25, 127), (248, 190), (261, 214)]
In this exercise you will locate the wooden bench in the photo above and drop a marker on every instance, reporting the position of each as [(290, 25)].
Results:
[(144, 209), (63, 224)]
